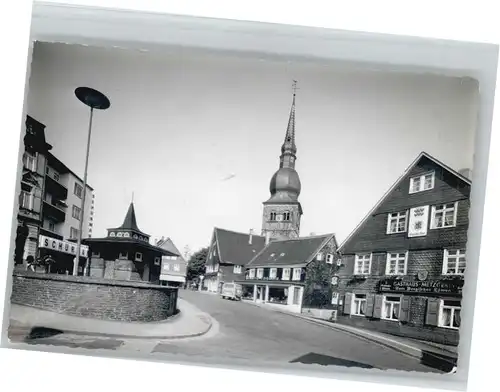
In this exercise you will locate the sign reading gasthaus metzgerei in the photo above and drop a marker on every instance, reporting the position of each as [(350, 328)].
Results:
[(430, 286)]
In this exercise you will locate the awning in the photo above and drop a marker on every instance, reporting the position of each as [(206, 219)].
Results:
[(173, 278)]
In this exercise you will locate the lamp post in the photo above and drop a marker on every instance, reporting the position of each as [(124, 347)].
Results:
[(95, 100)]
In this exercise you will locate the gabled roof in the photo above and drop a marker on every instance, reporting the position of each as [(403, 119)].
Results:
[(168, 244), (234, 247), (291, 251), (396, 183)]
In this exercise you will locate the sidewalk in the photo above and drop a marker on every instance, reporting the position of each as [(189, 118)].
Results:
[(433, 354), (190, 322)]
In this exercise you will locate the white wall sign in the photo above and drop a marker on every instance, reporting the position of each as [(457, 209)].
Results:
[(335, 298), (419, 219), (61, 246)]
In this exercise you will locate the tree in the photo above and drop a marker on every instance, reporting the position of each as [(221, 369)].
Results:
[(196, 264)]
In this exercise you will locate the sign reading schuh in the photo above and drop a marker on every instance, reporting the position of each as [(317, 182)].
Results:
[(62, 246), (419, 218)]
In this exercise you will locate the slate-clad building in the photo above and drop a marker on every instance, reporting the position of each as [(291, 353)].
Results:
[(403, 267), (228, 254), (287, 271)]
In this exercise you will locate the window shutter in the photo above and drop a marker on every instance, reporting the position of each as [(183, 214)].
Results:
[(377, 306), (370, 302), (347, 303), (404, 312), (432, 315), (388, 224)]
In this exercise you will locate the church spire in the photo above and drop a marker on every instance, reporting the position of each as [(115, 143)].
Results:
[(289, 149)]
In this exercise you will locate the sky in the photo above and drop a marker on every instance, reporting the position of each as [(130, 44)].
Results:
[(196, 137)]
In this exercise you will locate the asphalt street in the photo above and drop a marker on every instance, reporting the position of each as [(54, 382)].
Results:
[(244, 334)]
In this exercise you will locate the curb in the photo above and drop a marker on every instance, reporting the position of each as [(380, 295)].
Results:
[(396, 346), (23, 328)]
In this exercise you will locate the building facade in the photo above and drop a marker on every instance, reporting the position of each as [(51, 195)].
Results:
[(228, 254), (63, 202), (173, 267), (403, 267), (293, 273), (30, 209), (282, 211), (126, 254)]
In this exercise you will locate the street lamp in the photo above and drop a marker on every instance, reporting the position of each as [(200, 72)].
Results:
[(95, 100)]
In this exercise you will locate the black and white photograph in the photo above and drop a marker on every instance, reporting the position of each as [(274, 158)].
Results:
[(186, 205)]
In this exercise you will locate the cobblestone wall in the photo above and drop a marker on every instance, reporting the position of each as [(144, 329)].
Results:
[(95, 298)]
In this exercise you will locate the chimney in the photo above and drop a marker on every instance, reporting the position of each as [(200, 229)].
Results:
[(268, 237), (467, 173), (250, 237)]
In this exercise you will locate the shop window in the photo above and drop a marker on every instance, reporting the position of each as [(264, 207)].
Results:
[(396, 263), (362, 264), (237, 269), (396, 222), (359, 305), (444, 215), (391, 308), (422, 183), (296, 273), (454, 262), (286, 274)]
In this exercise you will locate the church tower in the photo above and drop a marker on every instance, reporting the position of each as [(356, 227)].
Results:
[(282, 211)]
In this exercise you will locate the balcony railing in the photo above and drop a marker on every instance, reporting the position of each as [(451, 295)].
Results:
[(53, 212), (55, 188)]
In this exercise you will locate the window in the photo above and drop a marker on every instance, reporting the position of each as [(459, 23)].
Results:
[(296, 273), (56, 176), (319, 256), (78, 191), (449, 314), (329, 258), (390, 310), (73, 233), (286, 274), (157, 261), (166, 267), (260, 273), (422, 183), (359, 305), (138, 256), (396, 263), (273, 272), (52, 226), (112, 234), (237, 269), (29, 161), (454, 262), (47, 170), (76, 213), (251, 273), (396, 222), (444, 215), (119, 234), (272, 216), (177, 267), (26, 200), (286, 216), (127, 235), (362, 264)]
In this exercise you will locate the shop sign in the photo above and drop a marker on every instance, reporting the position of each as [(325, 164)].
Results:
[(335, 298), (430, 286), (61, 246), (419, 218)]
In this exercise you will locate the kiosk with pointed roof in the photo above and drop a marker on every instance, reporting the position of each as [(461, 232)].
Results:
[(126, 254)]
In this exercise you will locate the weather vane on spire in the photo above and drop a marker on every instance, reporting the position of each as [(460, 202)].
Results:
[(294, 87)]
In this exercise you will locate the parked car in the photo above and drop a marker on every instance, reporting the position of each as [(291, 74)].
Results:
[(231, 291)]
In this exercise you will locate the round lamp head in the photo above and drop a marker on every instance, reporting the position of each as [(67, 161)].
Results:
[(92, 98)]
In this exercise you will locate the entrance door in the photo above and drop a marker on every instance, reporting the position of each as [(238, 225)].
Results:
[(296, 295)]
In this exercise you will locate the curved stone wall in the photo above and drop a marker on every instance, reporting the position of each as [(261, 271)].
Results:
[(94, 297)]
